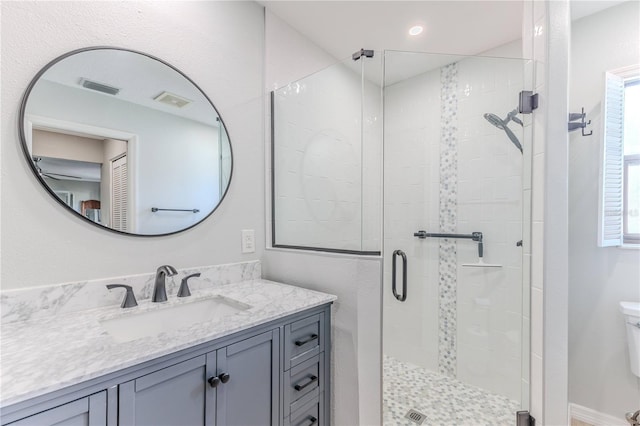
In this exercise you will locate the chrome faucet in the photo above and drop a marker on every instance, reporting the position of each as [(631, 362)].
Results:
[(159, 289)]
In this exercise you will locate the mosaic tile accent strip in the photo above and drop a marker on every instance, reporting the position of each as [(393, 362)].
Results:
[(443, 400), (447, 357)]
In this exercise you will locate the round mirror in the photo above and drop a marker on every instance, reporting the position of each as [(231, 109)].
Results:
[(125, 141)]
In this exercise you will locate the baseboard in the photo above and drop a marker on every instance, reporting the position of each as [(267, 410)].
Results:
[(594, 417)]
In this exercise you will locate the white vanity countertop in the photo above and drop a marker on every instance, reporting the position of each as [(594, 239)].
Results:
[(44, 355)]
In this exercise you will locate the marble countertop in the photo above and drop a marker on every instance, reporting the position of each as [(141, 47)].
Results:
[(43, 355)]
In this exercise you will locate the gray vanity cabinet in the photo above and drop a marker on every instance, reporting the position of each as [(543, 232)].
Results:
[(235, 385), (175, 395), (272, 374), (88, 411), (251, 397)]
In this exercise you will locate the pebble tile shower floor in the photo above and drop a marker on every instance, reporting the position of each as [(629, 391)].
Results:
[(443, 400)]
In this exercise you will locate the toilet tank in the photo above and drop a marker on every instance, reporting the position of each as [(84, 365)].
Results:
[(631, 312)]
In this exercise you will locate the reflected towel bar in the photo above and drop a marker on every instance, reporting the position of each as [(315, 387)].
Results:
[(156, 209)]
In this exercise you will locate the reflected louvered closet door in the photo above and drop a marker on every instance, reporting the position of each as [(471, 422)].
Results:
[(119, 194)]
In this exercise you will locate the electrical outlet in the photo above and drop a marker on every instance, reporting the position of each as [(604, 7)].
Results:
[(248, 241)]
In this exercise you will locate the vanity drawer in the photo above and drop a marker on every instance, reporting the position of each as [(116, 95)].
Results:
[(311, 414), (303, 383), (303, 339)]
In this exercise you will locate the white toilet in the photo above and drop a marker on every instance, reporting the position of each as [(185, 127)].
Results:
[(631, 312)]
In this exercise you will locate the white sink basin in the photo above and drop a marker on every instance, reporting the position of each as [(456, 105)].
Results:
[(171, 318)]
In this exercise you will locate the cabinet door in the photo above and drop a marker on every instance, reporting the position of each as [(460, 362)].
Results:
[(173, 396), (89, 411), (251, 397)]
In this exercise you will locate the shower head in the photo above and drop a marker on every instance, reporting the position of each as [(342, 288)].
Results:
[(495, 120), (502, 125)]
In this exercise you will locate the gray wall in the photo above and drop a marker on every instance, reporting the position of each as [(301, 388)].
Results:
[(599, 278), (219, 45)]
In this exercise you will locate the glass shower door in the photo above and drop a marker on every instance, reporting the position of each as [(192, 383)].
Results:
[(455, 342)]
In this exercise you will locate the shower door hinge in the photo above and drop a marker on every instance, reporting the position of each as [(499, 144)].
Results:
[(523, 418), (528, 102), (362, 52)]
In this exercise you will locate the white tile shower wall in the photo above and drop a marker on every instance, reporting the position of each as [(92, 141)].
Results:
[(412, 182), (489, 200), (42, 242), (546, 40), (372, 121), (533, 34), (317, 134), (327, 187), (39, 302), (489, 301), (556, 210)]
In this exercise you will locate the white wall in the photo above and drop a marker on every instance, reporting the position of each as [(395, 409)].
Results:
[(356, 392), (599, 278), (45, 244)]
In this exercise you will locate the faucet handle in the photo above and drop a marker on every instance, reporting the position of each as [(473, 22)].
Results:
[(184, 287), (129, 300)]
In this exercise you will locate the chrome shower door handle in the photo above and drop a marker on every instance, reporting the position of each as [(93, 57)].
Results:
[(402, 297)]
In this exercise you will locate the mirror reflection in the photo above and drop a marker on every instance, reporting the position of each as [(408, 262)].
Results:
[(126, 141)]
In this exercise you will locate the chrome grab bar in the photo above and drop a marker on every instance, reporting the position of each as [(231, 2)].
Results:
[(402, 297)]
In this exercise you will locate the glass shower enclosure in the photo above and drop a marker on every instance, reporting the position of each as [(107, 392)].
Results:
[(424, 159), (455, 304)]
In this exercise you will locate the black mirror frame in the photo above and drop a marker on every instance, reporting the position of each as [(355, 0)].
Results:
[(25, 150)]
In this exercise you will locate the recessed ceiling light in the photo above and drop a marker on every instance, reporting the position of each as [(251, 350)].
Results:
[(172, 99), (414, 31)]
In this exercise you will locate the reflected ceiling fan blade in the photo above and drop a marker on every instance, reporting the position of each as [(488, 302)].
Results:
[(46, 175), (60, 174)]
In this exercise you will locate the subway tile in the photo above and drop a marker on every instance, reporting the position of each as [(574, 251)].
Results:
[(537, 308)]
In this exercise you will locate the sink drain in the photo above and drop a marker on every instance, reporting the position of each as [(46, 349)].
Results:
[(416, 417)]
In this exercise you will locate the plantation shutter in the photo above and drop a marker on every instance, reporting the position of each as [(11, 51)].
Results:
[(119, 194), (611, 166)]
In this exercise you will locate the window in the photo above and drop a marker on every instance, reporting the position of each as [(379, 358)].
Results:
[(631, 171), (619, 216)]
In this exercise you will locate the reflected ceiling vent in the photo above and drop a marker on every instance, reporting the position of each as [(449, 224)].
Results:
[(171, 99), (99, 87)]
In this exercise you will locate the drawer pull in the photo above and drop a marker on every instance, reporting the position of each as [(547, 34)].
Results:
[(304, 342), (311, 380), (313, 420)]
